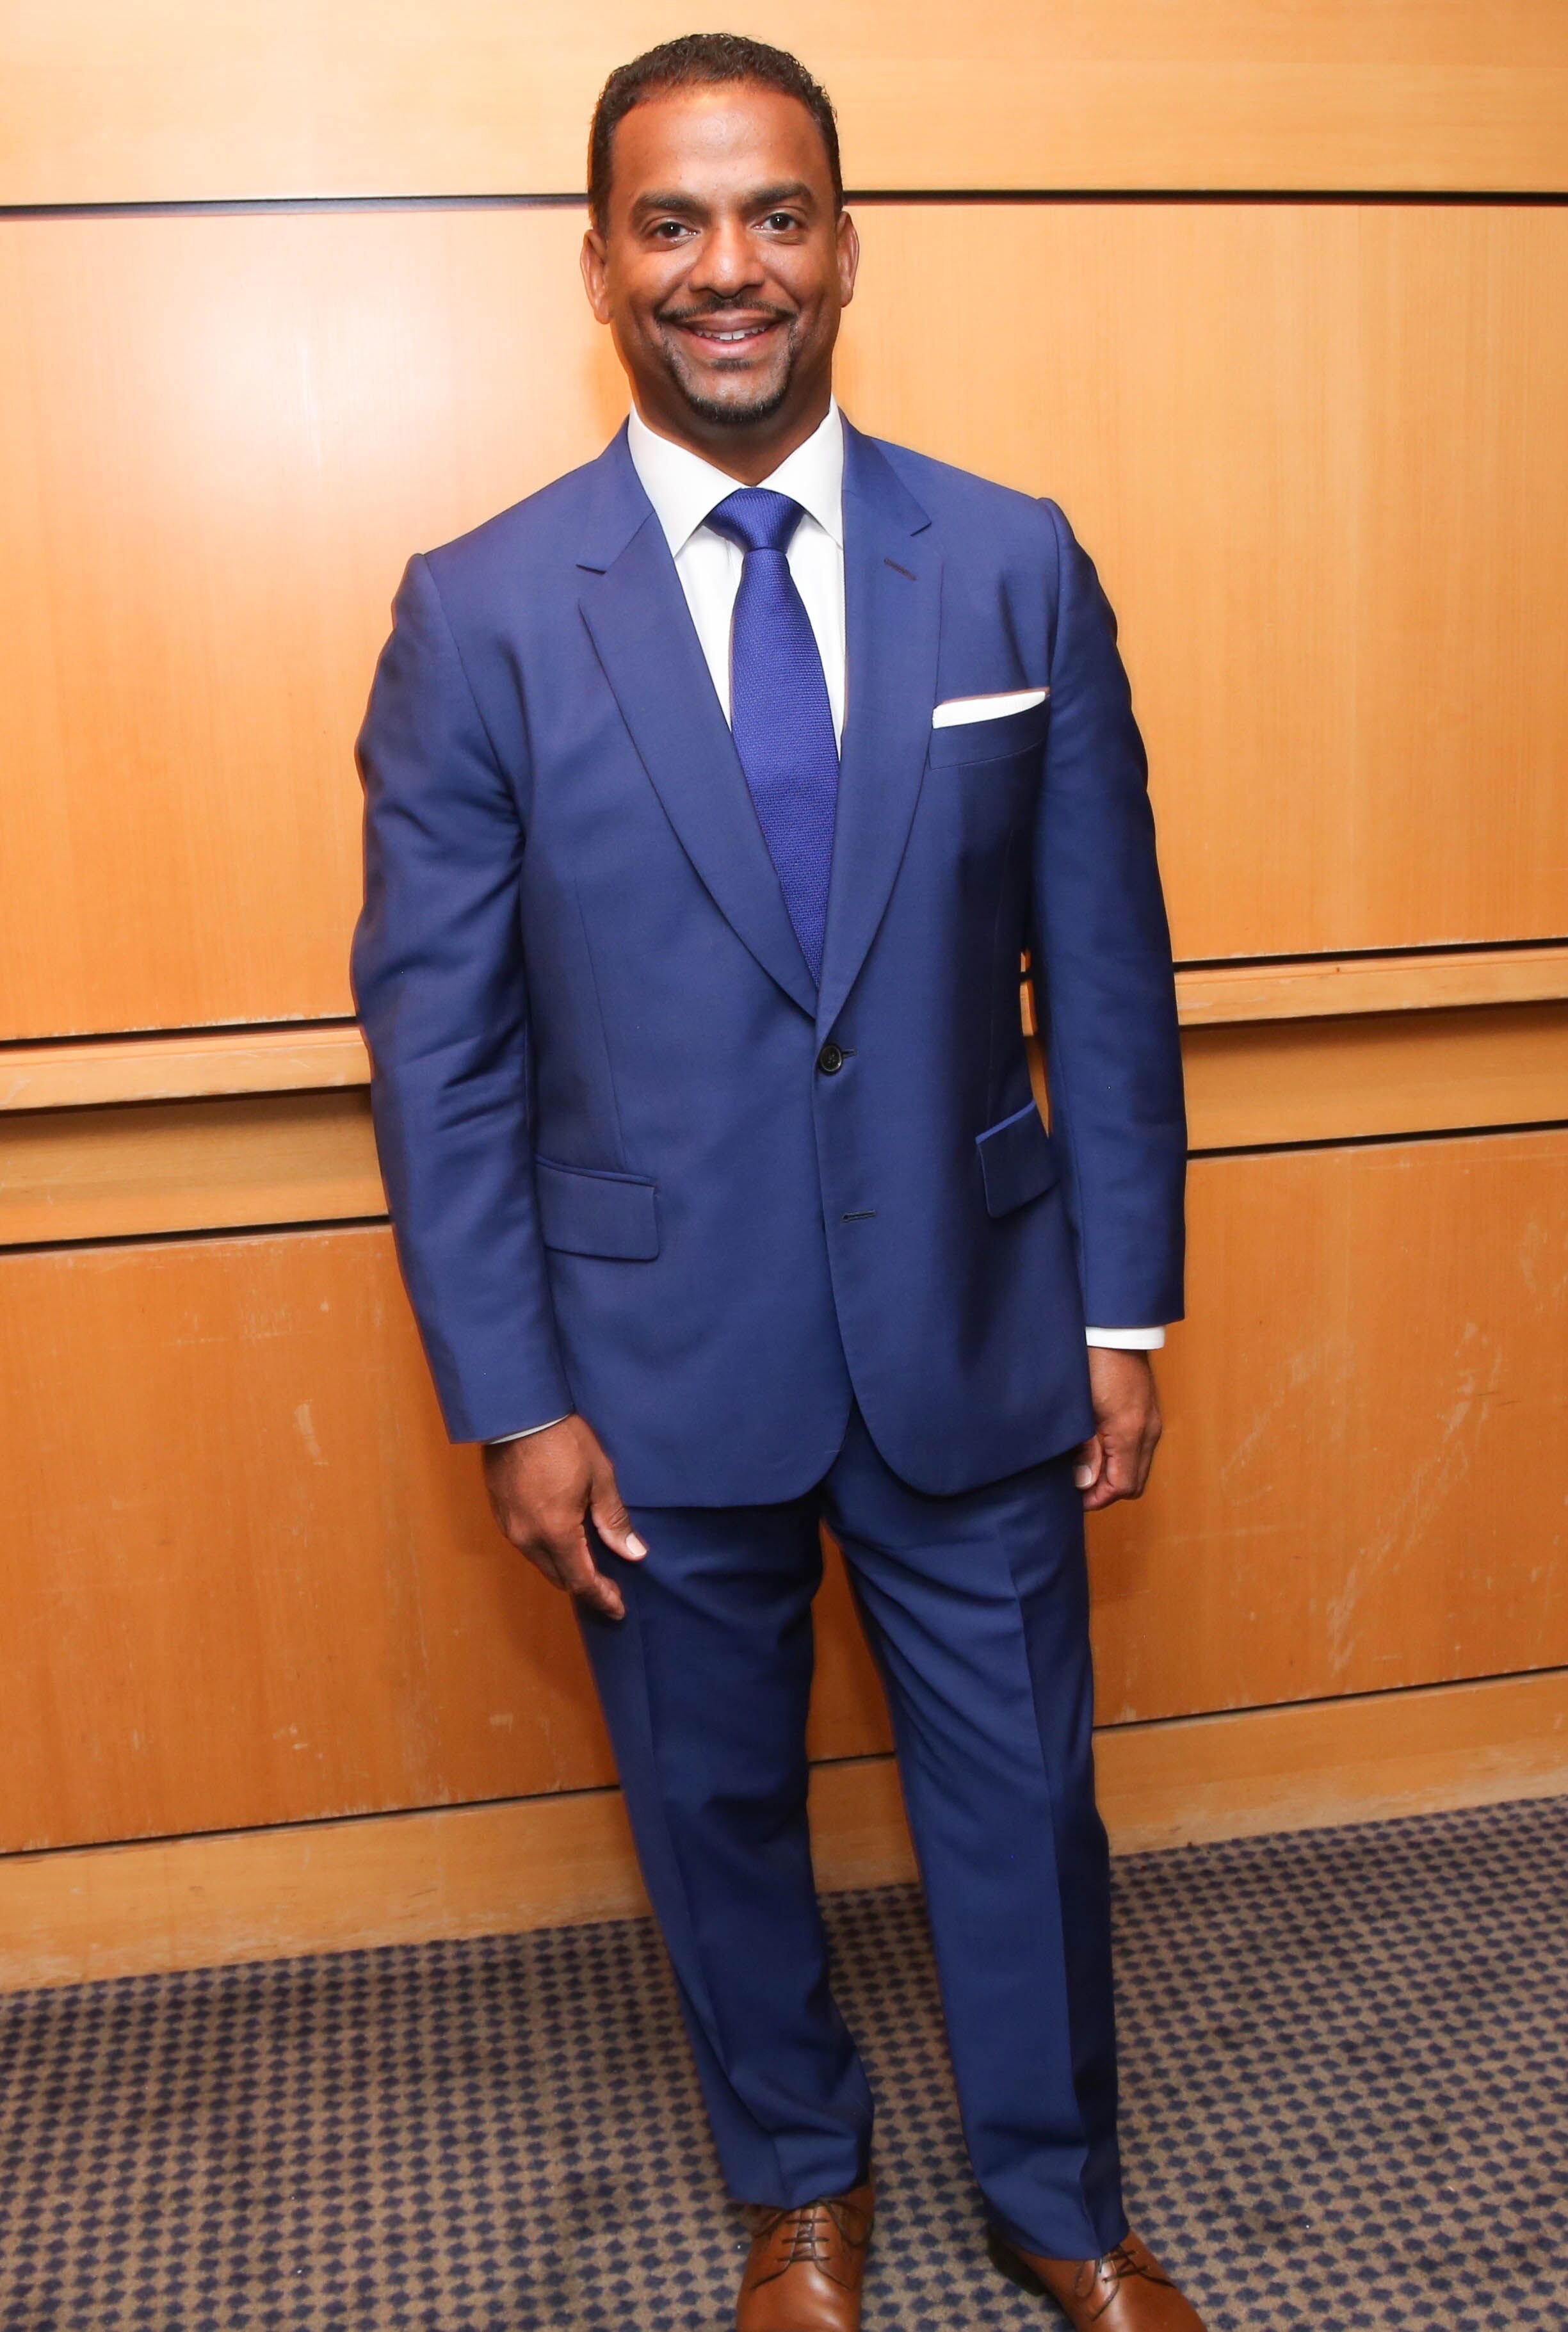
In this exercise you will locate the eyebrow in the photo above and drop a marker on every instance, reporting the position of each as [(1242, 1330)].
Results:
[(762, 198)]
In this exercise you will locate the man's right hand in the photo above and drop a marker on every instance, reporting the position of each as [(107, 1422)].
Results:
[(544, 1490)]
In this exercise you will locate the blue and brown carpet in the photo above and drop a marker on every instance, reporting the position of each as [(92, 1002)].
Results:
[(1345, 2073)]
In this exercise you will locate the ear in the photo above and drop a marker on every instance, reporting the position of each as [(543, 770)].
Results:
[(847, 239), (594, 271)]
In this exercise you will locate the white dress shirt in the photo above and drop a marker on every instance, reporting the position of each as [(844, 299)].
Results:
[(684, 490)]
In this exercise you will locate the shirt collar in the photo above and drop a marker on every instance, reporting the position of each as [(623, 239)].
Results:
[(683, 488)]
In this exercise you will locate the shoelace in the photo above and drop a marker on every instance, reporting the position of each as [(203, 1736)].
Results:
[(808, 2232), (1119, 2266)]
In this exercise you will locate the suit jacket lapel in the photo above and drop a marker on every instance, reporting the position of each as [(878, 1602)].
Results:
[(892, 597), (637, 617)]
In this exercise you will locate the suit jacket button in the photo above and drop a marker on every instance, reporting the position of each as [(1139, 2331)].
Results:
[(830, 1060)]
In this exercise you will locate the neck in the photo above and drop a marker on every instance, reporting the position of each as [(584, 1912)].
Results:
[(747, 453)]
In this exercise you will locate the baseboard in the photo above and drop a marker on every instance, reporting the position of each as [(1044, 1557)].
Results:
[(1367, 1758), (94, 1912)]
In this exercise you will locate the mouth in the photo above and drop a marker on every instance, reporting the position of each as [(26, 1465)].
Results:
[(726, 336)]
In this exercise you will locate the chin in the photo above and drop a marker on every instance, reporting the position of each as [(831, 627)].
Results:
[(734, 406), (728, 397)]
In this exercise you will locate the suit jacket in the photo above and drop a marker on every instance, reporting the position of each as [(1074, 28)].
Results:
[(637, 1164)]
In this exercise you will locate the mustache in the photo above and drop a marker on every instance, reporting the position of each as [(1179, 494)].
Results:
[(715, 310)]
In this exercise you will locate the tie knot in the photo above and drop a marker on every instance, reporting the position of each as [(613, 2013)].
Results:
[(757, 519)]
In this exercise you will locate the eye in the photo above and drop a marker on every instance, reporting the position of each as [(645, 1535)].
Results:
[(670, 230), (781, 222)]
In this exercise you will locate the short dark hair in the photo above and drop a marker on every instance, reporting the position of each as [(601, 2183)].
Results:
[(686, 63)]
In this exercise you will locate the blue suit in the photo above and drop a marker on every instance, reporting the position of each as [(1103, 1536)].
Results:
[(799, 1252)]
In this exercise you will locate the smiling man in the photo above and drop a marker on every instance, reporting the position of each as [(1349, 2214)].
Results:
[(713, 796)]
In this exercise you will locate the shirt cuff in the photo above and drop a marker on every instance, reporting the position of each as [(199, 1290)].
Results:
[(1127, 1340), (497, 1438)]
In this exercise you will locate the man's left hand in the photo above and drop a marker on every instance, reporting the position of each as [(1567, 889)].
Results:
[(1115, 1462)]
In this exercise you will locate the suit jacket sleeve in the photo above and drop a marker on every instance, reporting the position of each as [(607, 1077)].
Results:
[(439, 982), (1104, 988)]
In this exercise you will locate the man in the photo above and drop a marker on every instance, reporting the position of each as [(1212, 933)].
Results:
[(713, 794)]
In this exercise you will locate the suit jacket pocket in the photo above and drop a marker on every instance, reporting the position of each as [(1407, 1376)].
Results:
[(1018, 1162), (585, 1212), (1000, 740)]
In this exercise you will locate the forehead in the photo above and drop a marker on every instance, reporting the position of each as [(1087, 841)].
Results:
[(711, 141)]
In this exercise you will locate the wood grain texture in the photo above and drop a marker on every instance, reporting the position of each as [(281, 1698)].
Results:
[(1328, 987), (1379, 1073), (185, 1166), (308, 97), (1361, 1485), (248, 1582), (83, 1915), (247, 1579), (1371, 1757), (1317, 451), (182, 1068), (219, 443)]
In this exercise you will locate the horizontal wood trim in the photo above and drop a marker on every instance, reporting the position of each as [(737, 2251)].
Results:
[(281, 1153), (103, 103), (192, 1065), (181, 1067), (1329, 987), (272, 1894), (1378, 1075), (146, 1168), (1368, 1758)]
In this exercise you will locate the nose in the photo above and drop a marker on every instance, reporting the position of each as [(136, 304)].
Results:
[(728, 264)]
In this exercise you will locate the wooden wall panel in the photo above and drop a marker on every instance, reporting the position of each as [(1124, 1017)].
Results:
[(248, 1582), (220, 439), (1317, 451), (1361, 1485), (172, 99)]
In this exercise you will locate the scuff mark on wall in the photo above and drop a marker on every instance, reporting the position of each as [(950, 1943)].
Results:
[(304, 1425)]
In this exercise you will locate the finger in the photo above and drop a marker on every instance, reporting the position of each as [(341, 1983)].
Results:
[(581, 1577), (1118, 1475), (544, 1558), (1086, 1473), (551, 1558), (1148, 1442), (612, 1522)]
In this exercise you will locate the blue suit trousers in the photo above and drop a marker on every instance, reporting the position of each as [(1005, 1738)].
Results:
[(976, 1606)]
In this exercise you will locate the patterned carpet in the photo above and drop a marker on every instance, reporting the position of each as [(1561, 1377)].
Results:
[(1344, 2073)]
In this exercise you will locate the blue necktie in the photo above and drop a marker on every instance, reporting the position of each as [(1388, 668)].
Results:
[(779, 713)]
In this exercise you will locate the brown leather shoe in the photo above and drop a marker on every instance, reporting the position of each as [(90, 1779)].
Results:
[(1128, 2290), (805, 2268)]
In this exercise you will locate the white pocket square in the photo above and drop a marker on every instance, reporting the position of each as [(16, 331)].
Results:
[(959, 708)]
